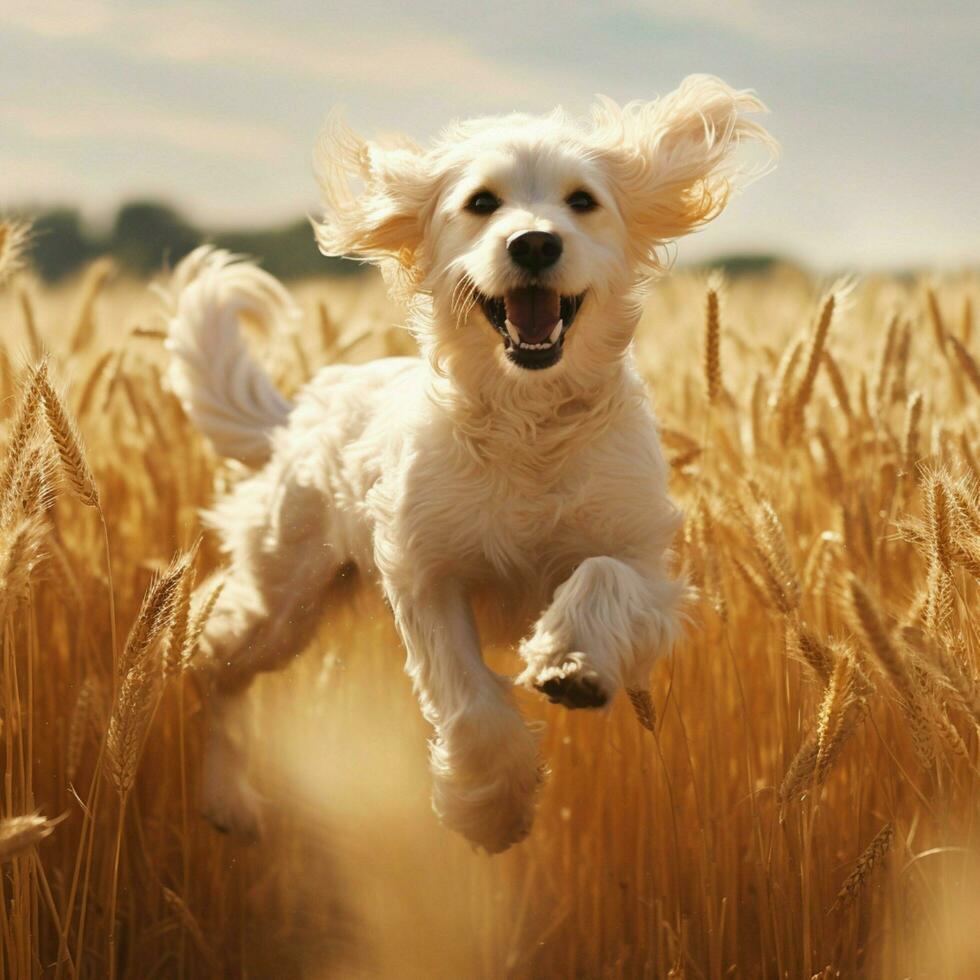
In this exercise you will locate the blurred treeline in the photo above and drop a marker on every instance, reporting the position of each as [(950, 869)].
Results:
[(145, 236)]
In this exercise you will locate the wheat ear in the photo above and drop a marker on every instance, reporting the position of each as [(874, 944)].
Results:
[(936, 319), (967, 362), (870, 858), (913, 414), (814, 354), (14, 238), (68, 442), (25, 425), (643, 707), (890, 657), (712, 343)]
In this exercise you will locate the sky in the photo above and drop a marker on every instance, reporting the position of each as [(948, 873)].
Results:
[(214, 106)]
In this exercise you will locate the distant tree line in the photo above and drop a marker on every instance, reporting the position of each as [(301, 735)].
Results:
[(146, 236)]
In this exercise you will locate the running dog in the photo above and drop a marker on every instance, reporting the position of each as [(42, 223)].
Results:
[(515, 463)]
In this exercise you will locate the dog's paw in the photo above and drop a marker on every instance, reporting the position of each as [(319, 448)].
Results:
[(486, 790), (572, 683), (234, 808), (493, 818), (581, 689)]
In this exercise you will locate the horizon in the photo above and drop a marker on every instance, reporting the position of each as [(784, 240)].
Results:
[(215, 111)]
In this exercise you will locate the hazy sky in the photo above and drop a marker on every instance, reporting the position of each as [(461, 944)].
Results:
[(214, 106)]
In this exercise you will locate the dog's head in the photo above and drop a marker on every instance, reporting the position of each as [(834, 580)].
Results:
[(529, 233)]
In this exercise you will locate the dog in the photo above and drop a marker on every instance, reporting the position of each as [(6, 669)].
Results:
[(515, 463)]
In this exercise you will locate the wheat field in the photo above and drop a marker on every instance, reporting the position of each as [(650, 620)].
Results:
[(806, 804)]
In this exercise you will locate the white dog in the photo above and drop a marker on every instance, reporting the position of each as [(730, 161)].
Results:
[(516, 462)]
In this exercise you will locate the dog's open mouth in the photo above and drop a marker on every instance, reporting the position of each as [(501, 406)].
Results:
[(533, 322)]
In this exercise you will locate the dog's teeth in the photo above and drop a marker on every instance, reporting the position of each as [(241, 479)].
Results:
[(556, 333), (512, 333)]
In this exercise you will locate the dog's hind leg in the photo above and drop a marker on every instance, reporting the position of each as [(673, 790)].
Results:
[(274, 595)]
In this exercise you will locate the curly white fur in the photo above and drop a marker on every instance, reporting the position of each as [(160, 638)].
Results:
[(230, 399), (461, 477)]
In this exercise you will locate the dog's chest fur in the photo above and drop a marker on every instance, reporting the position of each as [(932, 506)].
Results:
[(491, 492)]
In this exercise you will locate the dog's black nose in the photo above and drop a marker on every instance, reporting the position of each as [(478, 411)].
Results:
[(534, 250)]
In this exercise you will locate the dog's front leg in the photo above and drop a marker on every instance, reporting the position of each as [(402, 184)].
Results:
[(484, 759), (605, 626)]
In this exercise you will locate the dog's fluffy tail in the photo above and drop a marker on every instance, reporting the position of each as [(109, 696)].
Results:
[(223, 390)]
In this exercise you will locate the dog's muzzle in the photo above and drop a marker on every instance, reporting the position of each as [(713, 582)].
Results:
[(533, 322)]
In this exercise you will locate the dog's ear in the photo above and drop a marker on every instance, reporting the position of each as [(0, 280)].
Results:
[(673, 161), (376, 198)]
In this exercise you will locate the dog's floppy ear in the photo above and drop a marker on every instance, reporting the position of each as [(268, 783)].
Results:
[(672, 161), (376, 198)]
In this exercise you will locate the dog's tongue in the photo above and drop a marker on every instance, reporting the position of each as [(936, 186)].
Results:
[(534, 311)]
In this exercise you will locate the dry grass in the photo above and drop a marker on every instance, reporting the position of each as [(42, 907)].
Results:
[(806, 800)]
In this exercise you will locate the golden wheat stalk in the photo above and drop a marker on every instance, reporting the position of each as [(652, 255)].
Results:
[(129, 723), (814, 355), (883, 372), (25, 425), (813, 652), (769, 544), (963, 494), (67, 440), (799, 775), (15, 236), (201, 618), (901, 365), (642, 702), (712, 342), (31, 490), (756, 586), (86, 715), (30, 324), (834, 473), (913, 414), (936, 319), (190, 923), (705, 530), (783, 388), (21, 549), (966, 361), (83, 333), (180, 627), (135, 701), (757, 414), (837, 382), (840, 711), (155, 615), (938, 522), (882, 645), (870, 858)]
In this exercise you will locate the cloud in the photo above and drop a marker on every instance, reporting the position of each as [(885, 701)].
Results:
[(414, 63), (185, 130), (59, 18), (882, 30)]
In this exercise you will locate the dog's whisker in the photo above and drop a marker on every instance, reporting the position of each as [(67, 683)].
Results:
[(460, 291), (463, 300)]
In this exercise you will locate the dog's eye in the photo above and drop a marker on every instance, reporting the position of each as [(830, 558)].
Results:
[(483, 202), (581, 201)]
